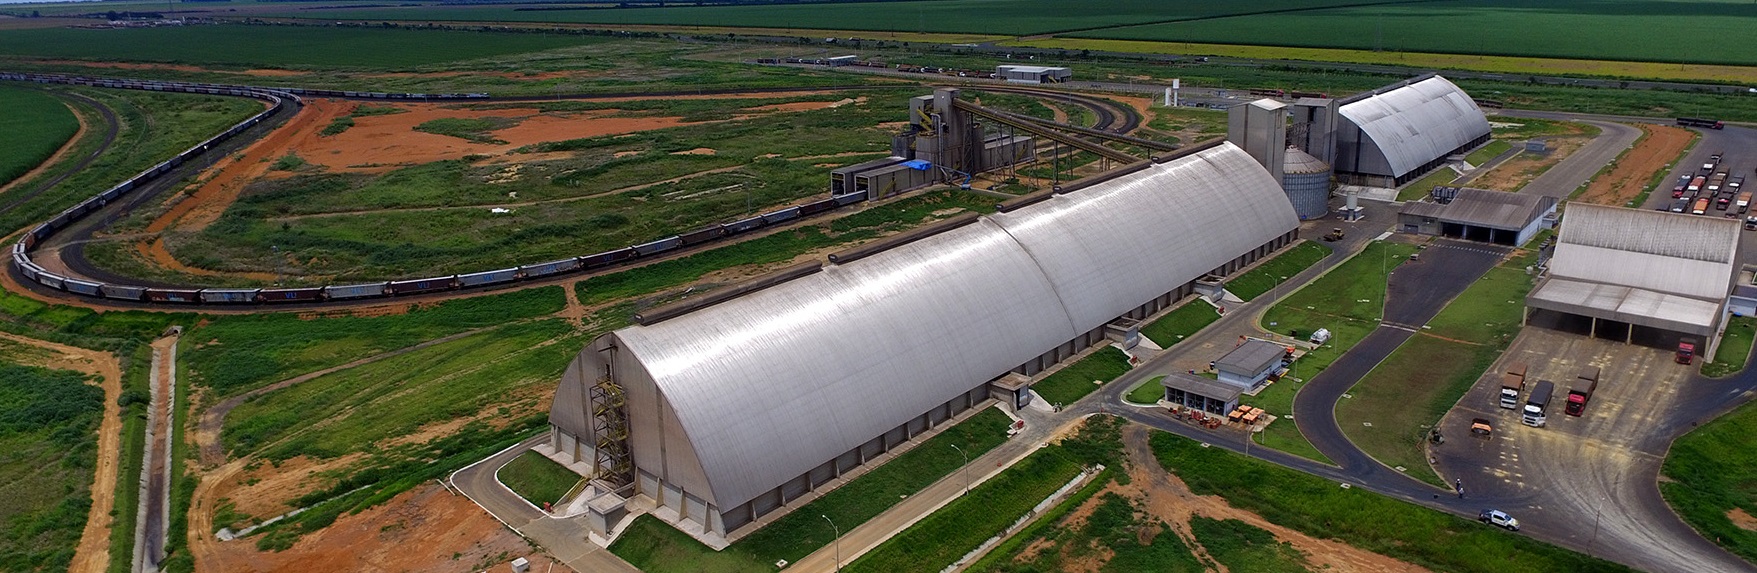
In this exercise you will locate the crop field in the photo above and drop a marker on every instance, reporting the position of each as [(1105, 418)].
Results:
[(48, 420), (155, 127), (277, 46), (1585, 29), (36, 125), (1018, 17)]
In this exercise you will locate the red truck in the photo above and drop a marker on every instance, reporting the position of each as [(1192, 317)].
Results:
[(1686, 351), (1581, 392)]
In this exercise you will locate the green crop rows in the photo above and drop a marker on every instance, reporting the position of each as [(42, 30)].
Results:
[(35, 124), (276, 46)]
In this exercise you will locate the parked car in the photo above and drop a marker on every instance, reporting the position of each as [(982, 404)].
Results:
[(1498, 518)]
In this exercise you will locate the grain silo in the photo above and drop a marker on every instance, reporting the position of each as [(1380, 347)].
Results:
[(1307, 182)]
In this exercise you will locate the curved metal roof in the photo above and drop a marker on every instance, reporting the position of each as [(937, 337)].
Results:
[(769, 385), (1418, 123)]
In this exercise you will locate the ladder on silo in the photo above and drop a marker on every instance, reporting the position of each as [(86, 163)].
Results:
[(610, 461)]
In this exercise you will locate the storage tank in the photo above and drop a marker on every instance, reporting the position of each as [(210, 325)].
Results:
[(1306, 180)]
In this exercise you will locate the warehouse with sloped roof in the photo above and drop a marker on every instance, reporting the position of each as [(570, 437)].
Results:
[(737, 409), (1639, 276), (1398, 133)]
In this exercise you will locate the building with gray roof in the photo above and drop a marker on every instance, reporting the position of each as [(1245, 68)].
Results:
[(1192, 391), (1479, 215), (730, 412), (1398, 133), (1645, 277), (1250, 363)]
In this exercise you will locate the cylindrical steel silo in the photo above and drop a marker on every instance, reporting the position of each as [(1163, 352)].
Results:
[(1307, 182)]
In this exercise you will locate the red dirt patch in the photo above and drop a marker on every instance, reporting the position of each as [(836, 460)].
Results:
[(1623, 182), (1513, 174), (1742, 519), (427, 529)]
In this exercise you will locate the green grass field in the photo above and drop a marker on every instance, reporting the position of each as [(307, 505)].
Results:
[(346, 411), (235, 353), (1711, 473), (1075, 381), (1115, 524), (1419, 189), (1408, 393), (1275, 271), (1180, 323), (278, 46), (537, 479), (1149, 391), (1492, 150), (48, 420), (1735, 348), (1313, 505), (36, 125), (658, 548), (1246, 548), (1353, 290)]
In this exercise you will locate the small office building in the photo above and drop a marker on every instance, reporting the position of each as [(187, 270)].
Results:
[(1195, 392), (1250, 363)]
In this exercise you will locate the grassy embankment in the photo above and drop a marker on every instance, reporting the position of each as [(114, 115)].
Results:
[(1735, 348), (658, 548), (1349, 301), (1408, 393), (1710, 479)]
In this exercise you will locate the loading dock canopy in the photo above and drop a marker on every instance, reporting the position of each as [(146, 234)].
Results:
[(1628, 305), (1483, 208)]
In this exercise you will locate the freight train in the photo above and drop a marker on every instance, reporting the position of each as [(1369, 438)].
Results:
[(280, 99)]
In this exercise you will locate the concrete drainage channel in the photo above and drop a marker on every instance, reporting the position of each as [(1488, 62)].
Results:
[(1072, 486), (152, 520)]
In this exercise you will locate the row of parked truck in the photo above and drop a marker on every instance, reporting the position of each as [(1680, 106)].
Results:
[(1537, 402), (1711, 188)]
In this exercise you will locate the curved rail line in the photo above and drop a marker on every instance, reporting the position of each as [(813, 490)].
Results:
[(74, 227), (113, 127)]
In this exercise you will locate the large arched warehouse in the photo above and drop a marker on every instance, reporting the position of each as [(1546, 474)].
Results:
[(738, 408), (1396, 134)]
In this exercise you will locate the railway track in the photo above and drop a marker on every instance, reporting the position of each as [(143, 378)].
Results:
[(67, 246)]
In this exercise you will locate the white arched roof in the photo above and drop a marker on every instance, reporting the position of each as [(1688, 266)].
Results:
[(769, 385), (1418, 123)]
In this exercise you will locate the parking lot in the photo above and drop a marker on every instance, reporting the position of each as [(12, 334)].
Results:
[(1738, 148), (1588, 480)]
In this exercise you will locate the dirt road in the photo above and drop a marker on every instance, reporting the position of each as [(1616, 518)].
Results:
[(93, 553)]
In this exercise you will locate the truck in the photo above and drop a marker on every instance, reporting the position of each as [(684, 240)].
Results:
[(1701, 122), (1537, 402), (1686, 351), (1744, 200), (1700, 207), (1512, 383), (1696, 184), (1581, 392)]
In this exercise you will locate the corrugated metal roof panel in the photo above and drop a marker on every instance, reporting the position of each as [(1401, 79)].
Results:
[(1418, 123), (769, 385), (1712, 239), (1484, 208)]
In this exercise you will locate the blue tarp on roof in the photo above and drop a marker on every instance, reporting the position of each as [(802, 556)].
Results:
[(918, 164)]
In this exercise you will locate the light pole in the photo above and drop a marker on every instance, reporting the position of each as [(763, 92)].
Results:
[(965, 469), (277, 254), (1277, 295), (838, 541)]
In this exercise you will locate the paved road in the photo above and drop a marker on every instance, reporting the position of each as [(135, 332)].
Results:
[(1561, 181), (563, 539), (1417, 292)]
